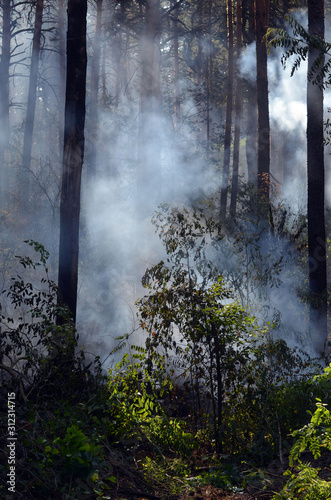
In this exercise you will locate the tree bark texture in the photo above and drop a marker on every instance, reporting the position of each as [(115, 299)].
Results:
[(316, 184), (31, 104), (228, 117), (73, 153), (263, 149)]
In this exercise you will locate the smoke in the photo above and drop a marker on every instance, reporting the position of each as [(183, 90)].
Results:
[(120, 241), (136, 172)]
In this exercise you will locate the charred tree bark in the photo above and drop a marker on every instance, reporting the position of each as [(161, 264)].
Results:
[(31, 104), (228, 118), (263, 149), (73, 154), (316, 185), (4, 95), (238, 112)]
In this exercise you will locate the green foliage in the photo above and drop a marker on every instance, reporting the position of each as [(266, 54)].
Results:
[(30, 335), (305, 484), (135, 410), (304, 481), (245, 388), (298, 44), (78, 454)]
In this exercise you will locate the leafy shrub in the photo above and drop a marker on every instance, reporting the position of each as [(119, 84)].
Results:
[(135, 409), (304, 481), (36, 330)]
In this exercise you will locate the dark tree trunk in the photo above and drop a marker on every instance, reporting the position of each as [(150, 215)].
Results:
[(228, 118), (263, 150), (94, 92), (238, 112), (31, 105), (316, 214), (4, 96), (251, 107), (73, 153)]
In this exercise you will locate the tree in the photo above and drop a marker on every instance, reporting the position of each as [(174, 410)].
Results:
[(188, 316), (149, 110), (73, 154), (94, 91), (228, 118), (238, 112), (31, 106), (302, 44), (263, 151), (251, 104), (316, 184)]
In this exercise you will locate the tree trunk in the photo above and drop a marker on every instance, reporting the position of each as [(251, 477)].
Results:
[(263, 152), (31, 104), (238, 111), (251, 108), (316, 213), (149, 154), (94, 92), (177, 110), (228, 118), (4, 96), (73, 154), (62, 68)]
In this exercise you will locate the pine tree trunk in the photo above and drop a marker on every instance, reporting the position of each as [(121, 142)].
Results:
[(238, 112), (251, 107), (31, 105), (228, 118), (94, 93), (73, 154), (263, 150), (316, 185)]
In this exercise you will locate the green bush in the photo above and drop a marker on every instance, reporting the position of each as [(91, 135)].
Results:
[(304, 481), (135, 409)]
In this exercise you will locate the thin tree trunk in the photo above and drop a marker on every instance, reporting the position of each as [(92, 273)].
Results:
[(94, 92), (228, 118), (149, 154), (31, 105), (73, 154), (238, 112), (62, 68), (4, 96), (251, 108), (177, 113), (263, 153), (209, 73), (316, 185)]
